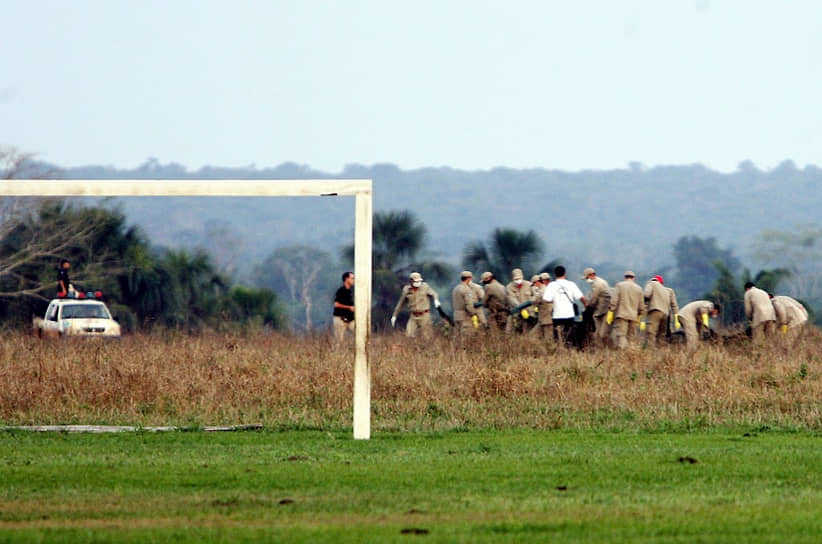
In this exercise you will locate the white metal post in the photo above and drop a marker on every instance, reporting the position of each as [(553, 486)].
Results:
[(362, 316), (361, 189)]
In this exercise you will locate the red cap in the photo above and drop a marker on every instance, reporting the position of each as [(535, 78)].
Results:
[(659, 279)]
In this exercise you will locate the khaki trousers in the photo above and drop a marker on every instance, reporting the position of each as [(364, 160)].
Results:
[(543, 331), (420, 323), (693, 331), (516, 323), (498, 318), (602, 330), (464, 328), (656, 326), (340, 327), (762, 332), (624, 331)]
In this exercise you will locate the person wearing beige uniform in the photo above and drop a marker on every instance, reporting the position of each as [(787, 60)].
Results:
[(495, 300), (791, 316), (599, 298), (537, 287), (694, 318), (518, 291), (626, 309), (463, 299), (759, 310), (545, 328), (418, 295), (479, 293), (658, 301)]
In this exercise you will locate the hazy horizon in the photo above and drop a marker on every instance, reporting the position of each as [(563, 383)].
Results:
[(466, 85)]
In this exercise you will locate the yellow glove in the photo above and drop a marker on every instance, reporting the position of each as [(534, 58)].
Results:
[(642, 325), (706, 320), (536, 309), (525, 314), (609, 317), (677, 326), (475, 321), (784, 329)]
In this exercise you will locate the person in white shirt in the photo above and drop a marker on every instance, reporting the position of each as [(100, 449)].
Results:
[(563, 294)]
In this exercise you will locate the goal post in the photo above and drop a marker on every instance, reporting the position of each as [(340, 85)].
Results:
[(361, 189)]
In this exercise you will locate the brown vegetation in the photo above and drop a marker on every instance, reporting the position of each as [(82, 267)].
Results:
[(289, 381)]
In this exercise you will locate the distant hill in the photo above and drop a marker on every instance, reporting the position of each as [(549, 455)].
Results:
[(619, 218)]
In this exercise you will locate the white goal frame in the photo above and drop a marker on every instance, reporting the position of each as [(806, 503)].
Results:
[(361, 189)]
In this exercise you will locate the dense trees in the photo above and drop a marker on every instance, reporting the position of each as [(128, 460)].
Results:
[(307, 278), (186, 289), (729, 291), (798, 251), (33, 241), (695, 262), (145, 287)]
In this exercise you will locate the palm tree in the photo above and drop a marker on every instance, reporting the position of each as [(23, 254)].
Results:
[(506, 249), (398, 239), (398, 236), (198, 281)]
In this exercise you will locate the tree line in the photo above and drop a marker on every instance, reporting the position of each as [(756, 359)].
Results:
[(292, 287), (146, 286), (149, 287)]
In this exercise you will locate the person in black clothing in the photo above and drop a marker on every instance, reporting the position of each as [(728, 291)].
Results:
[(344, 307), (63, 282)]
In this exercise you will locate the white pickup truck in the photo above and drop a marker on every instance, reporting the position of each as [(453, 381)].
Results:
[(76, 317)]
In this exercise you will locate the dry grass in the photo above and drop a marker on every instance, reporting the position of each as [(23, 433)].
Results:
[(495, 382)]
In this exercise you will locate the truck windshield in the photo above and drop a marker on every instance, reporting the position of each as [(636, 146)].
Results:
[(80, 311)]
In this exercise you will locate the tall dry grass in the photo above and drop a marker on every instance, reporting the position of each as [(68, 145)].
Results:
[(494, 381)]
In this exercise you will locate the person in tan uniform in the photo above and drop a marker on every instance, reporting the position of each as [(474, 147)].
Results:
[(537, 287), (599, 298), (545, 326), (463, 299), (790, 315), (626, 309), (495, 300), (518, 291), (694, 318), (479, 293), (759, 310), (658, 303), (418, 295)]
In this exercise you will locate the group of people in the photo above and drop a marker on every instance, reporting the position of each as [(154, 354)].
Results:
[(553, 309)]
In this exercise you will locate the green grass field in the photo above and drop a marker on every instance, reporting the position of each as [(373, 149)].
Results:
[(740, 485)]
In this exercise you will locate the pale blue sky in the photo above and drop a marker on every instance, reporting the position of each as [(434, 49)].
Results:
[(467, 84)]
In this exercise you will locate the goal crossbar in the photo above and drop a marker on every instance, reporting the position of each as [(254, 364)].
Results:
[(361, 189)]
